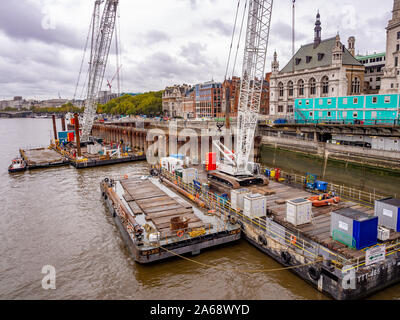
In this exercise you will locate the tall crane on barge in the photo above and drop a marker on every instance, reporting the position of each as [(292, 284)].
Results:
[(102, 33), (236, 170)]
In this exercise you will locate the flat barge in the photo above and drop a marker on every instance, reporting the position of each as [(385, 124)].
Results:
[(40, 158), (309, 250), (157, 224)]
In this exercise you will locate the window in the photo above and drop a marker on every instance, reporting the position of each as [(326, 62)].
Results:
[(300, 102), (280, 109), (320, 56), (329, 114), (374, 99), (290, 109), (355, 87), (308, 59), (321, 102), (290, 88), (311, 114), (355, 101), (344, 114), (378, 78), (313, 89), (387, 99), (320, 114), (301, 87), (281, 91), (325, 85), (344, 100), (355, 114), (329, 101), (397, 47), (398, 35), (298, 61), (373, 114), (396, 61), (307, 102)]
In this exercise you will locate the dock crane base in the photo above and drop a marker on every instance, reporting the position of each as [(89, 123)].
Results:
[(219, 179)]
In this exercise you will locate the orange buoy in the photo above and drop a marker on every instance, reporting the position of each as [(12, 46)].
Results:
[(293, 239), (180, 234)]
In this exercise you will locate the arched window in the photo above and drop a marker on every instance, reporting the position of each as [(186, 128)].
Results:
[(325, 85), (313, 88), (301, 87), (290, 88), (355, 86), (280, 86)]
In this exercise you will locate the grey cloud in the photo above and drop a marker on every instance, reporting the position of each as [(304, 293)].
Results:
[(220, 26), (23, 20)]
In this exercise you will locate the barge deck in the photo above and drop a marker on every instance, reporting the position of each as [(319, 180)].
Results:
[(40, 158), (144, 211), (309, 250)]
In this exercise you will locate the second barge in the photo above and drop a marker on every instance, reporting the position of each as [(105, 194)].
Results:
[(157, 224)]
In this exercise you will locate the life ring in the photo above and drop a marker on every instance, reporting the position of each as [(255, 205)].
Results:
[(293, 239), (314, 273), (286, 257), (180, 233)]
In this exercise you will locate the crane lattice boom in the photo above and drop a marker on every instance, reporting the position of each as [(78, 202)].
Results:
[(101, 41), (252, 81)]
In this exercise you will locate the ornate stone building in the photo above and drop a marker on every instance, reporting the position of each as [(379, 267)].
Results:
[(173, 100), (324, 68), (391, 72)]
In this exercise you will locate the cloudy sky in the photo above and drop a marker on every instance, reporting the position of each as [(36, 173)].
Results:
[(163, 41)]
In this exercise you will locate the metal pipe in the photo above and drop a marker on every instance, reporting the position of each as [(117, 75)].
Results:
[(54, 128), (78, 139)]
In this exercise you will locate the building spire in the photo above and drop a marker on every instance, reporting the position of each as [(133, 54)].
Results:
[(317, 31)]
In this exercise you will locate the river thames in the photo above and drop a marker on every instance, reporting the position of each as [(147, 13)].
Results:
[(56, 217)]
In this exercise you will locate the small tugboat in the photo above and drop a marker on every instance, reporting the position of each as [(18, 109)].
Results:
[(325, 199), (17, 165)]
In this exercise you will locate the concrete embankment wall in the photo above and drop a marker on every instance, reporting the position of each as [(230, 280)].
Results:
[(364, 156)]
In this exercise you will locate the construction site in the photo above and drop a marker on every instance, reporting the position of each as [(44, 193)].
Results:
[(347, 248)]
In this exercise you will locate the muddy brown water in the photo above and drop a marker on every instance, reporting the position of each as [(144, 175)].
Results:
[(56, 217)]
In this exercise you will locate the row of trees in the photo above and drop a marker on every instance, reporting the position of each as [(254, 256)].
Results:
[(149, 104), (68, 107)]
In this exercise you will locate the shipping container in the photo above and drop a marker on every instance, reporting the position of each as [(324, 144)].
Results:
[(354, 228), (299, 211), (255, 205), (388, 213), (237, 201)]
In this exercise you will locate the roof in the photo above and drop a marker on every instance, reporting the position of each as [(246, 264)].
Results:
[(325, 47), (375, 55), (391, 201), (354, 214)]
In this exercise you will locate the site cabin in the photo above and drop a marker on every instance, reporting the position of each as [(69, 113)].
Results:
[(361, 109)]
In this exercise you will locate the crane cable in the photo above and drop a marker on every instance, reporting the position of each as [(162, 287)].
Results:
[(83, 58), (241, 270), (240, 36), (233, 36)]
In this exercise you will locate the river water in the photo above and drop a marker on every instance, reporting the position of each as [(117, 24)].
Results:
[(56, 217)]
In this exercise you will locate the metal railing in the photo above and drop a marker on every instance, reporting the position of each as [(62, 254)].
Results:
[(294, 240), (341, 190)]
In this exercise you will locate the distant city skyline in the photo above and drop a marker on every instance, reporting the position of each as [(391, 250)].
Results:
[(163, 42)]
